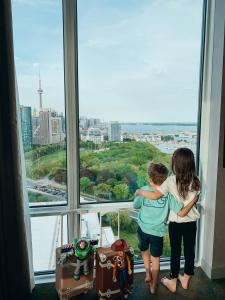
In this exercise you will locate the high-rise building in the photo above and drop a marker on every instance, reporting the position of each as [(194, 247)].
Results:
[(36, 129), (47, 128), (84, 123), (114, 131), (56, 130), (93, 122), (94, 135), (26, 126), (42, 128), (63, 120)]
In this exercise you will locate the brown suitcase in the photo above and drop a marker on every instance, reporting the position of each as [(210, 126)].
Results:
[(105, 287), (66, 285)]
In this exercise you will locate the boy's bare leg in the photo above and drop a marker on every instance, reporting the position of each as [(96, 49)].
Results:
[(155, 274), (184, 280), (147, 261)]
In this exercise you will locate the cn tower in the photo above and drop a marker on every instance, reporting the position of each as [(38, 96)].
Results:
[(40, 91)]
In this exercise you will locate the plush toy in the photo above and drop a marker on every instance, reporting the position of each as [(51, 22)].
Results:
[(122, 266)]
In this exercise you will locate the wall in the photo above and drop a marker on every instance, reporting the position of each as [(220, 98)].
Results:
[(212, 244)]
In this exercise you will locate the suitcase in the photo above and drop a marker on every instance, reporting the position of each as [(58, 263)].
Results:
[(66, 285), (106, 288)]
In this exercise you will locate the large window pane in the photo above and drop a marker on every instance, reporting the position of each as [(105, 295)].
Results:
[(38, 42), (138, 64), (107, 230), (45, 242)]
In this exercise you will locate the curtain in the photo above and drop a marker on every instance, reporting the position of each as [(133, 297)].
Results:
[(16, 273)]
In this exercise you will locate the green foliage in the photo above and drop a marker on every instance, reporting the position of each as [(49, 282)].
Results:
[(126, 223), (89, 145), (121, 191), (40, 151), (85, 183), (35, 197), (167, 138), (102, 190), (48, 165), (142, 178), (120, 167), (59, 175)]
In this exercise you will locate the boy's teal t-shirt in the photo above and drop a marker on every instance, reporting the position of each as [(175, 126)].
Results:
[(153, 214)]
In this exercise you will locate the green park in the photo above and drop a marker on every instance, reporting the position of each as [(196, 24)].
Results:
[(108, 172)]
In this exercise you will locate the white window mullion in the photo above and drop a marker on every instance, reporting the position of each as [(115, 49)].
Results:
[(71, 98)]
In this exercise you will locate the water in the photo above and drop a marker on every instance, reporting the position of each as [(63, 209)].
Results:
[(184, 132), (159, 128)]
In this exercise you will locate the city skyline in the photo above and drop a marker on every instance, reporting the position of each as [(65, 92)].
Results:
[(145, 72)]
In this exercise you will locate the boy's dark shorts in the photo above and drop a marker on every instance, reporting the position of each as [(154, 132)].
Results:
[(146, 240)]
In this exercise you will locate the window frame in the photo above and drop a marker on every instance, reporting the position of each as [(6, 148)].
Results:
[(70, 42)]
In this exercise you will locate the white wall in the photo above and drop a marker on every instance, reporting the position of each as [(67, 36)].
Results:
[(212, 245)]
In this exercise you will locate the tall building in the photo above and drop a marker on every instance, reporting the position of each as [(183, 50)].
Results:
[(36, 129), (84, 123), (57, 130), (114, 131), (94, 122), (42, 128), (63, 120), (94, 135), (47, 128), (26, 126)]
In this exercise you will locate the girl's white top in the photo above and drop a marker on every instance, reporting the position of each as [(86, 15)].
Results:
[(170, 186)]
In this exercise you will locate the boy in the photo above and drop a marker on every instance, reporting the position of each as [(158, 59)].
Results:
[(152, 219)]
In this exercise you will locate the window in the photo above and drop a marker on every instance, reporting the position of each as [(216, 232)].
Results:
[(138, 65), (137, 69), (45, 241), (38, 40), (39, 59)]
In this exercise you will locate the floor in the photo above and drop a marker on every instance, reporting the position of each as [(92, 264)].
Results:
[(201, 288)]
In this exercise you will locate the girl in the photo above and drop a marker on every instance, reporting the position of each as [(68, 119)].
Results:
[(183, 185)]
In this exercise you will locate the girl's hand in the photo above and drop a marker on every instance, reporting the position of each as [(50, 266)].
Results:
[(129, 272), (114, 279)]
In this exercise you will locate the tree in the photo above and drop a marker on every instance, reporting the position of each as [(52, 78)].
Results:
[(102, 190), (166, 138), (121, 191), (85, 182), (142, 178), (104, 175)]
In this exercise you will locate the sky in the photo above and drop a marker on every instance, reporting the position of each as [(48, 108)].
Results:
[(138, 60)]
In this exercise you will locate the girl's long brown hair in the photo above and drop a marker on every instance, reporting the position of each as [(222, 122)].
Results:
[(183, 166)]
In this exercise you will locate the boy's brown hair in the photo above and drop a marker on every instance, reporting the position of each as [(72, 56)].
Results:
[(157, 173)]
